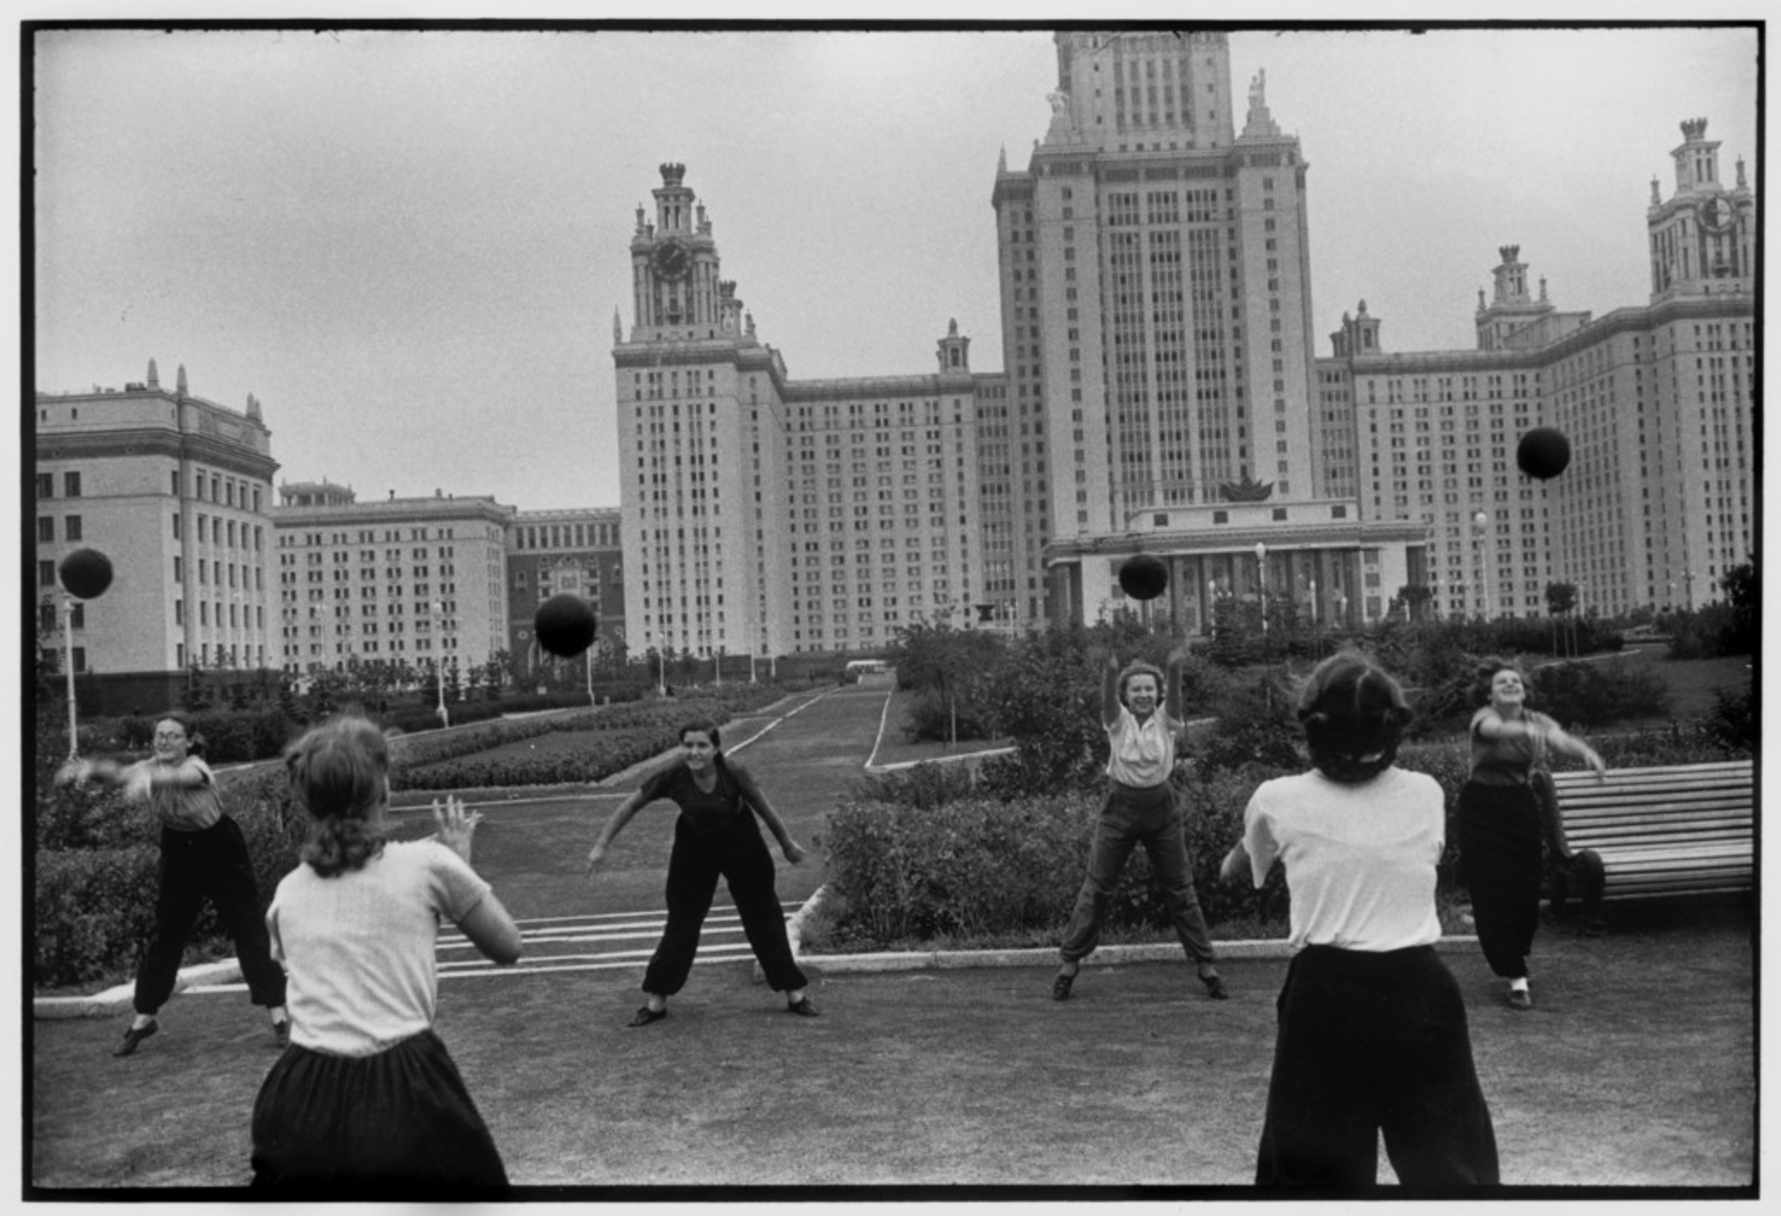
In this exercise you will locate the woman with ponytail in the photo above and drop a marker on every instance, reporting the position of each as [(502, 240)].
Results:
[(714, 835), (1372, 1034), (203, 856), (366, 1102)]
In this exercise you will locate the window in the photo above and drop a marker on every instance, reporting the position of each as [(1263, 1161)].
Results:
[(46, 574), (46, 485), (71, 527), (46, 527), (71, 485)]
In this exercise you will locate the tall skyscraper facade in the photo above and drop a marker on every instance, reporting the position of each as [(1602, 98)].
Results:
[(766, 515), (1156, 318)]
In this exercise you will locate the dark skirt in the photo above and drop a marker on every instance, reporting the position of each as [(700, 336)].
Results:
[(1499, 854), (396, 1125)]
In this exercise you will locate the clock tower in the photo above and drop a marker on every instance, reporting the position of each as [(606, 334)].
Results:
[(1703, 235), (674, 269)]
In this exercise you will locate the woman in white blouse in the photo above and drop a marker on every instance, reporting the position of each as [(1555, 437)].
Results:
[(1138, 713), (1372, 1031)]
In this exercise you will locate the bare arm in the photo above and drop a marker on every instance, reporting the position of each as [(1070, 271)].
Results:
[(1235, 864), (1110, 691), (1493, 725), (751, 794), (621, 816), (492, 931)]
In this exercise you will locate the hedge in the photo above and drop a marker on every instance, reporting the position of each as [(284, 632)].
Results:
[(932, 852), (93, 903)]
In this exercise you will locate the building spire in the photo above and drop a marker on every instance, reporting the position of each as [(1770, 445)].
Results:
[(154, 376), (1260, 123)]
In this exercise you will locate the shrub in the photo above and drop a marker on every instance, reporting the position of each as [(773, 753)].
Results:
[(93, 904)]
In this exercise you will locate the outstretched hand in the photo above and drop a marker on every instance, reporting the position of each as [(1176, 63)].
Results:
[(794, 852), (74, 772), (455, 827), (594, 857)]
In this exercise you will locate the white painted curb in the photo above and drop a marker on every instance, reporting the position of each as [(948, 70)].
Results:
[(117, 999), (1034, 956)]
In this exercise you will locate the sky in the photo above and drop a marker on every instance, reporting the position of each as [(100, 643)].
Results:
[(410, 246)]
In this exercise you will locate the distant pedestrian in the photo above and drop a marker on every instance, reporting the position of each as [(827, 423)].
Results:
[(1141, 807), (367, 1102), (1499, 822), (1372, 1035), (715, 835), (203, 856)]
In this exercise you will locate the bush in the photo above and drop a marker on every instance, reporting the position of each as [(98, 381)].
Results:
[(96, 875), (984, 867)]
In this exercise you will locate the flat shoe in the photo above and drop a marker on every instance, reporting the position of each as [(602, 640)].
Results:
[(646, 1015), (1215, 987), (1520, 998), (133, 1039), (1060, 987), (802, 1007)]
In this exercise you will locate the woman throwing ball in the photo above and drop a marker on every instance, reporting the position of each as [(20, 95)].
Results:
[(1372, 1034), (1500, 829), (715, 835), (203, 856), (367, 1102), (1138, 713)]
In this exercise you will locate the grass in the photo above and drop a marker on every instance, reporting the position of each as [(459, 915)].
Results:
[(1636, 1068)]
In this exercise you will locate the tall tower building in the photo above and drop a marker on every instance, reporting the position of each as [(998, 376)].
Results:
[(1156, 312), (764, 515), (1658, 402)]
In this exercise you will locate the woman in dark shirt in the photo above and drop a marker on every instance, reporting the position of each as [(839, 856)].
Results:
[(715, 834), (1499, 827)]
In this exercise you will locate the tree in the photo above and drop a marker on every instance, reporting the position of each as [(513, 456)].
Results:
[(1560, 598), (1744, 595), (1414, 597)]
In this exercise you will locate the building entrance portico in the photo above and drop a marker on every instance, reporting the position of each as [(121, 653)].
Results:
[(1309, 562)]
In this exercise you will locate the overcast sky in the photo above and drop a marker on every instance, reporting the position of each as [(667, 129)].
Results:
[(410, 245)]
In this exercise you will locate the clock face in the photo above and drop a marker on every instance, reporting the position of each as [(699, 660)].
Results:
[(1720, 213), (671, 260)]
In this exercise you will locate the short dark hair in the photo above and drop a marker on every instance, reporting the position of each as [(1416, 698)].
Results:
[(1486, 671), (1353, 715), (194, 741)]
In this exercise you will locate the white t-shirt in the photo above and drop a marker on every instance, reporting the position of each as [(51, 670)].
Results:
[(358, 948), (1141, 753), (1360, 859)]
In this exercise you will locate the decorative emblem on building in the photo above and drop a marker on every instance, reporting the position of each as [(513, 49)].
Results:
[(1247, 490)]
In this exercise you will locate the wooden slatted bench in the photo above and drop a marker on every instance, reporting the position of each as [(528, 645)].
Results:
[(1681, 829)]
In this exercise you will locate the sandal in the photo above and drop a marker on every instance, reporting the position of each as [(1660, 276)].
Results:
[(646, 1015)]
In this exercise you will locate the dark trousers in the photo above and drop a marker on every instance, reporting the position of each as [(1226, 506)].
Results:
[(1499, 852), (212, 864), (1131, 817), (737, 852), (1372, 1044)]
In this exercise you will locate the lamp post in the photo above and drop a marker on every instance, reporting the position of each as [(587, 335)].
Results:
[(65, 602), (1261, 586), (717, 662), (588, 656), (1314, 603), (1482, 522), (439, 661)]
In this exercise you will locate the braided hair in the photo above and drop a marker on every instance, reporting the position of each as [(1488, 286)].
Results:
[(1353, 715), (339, 774)]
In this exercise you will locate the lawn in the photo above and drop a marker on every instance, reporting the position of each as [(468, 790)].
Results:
[(1636, 1068)]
